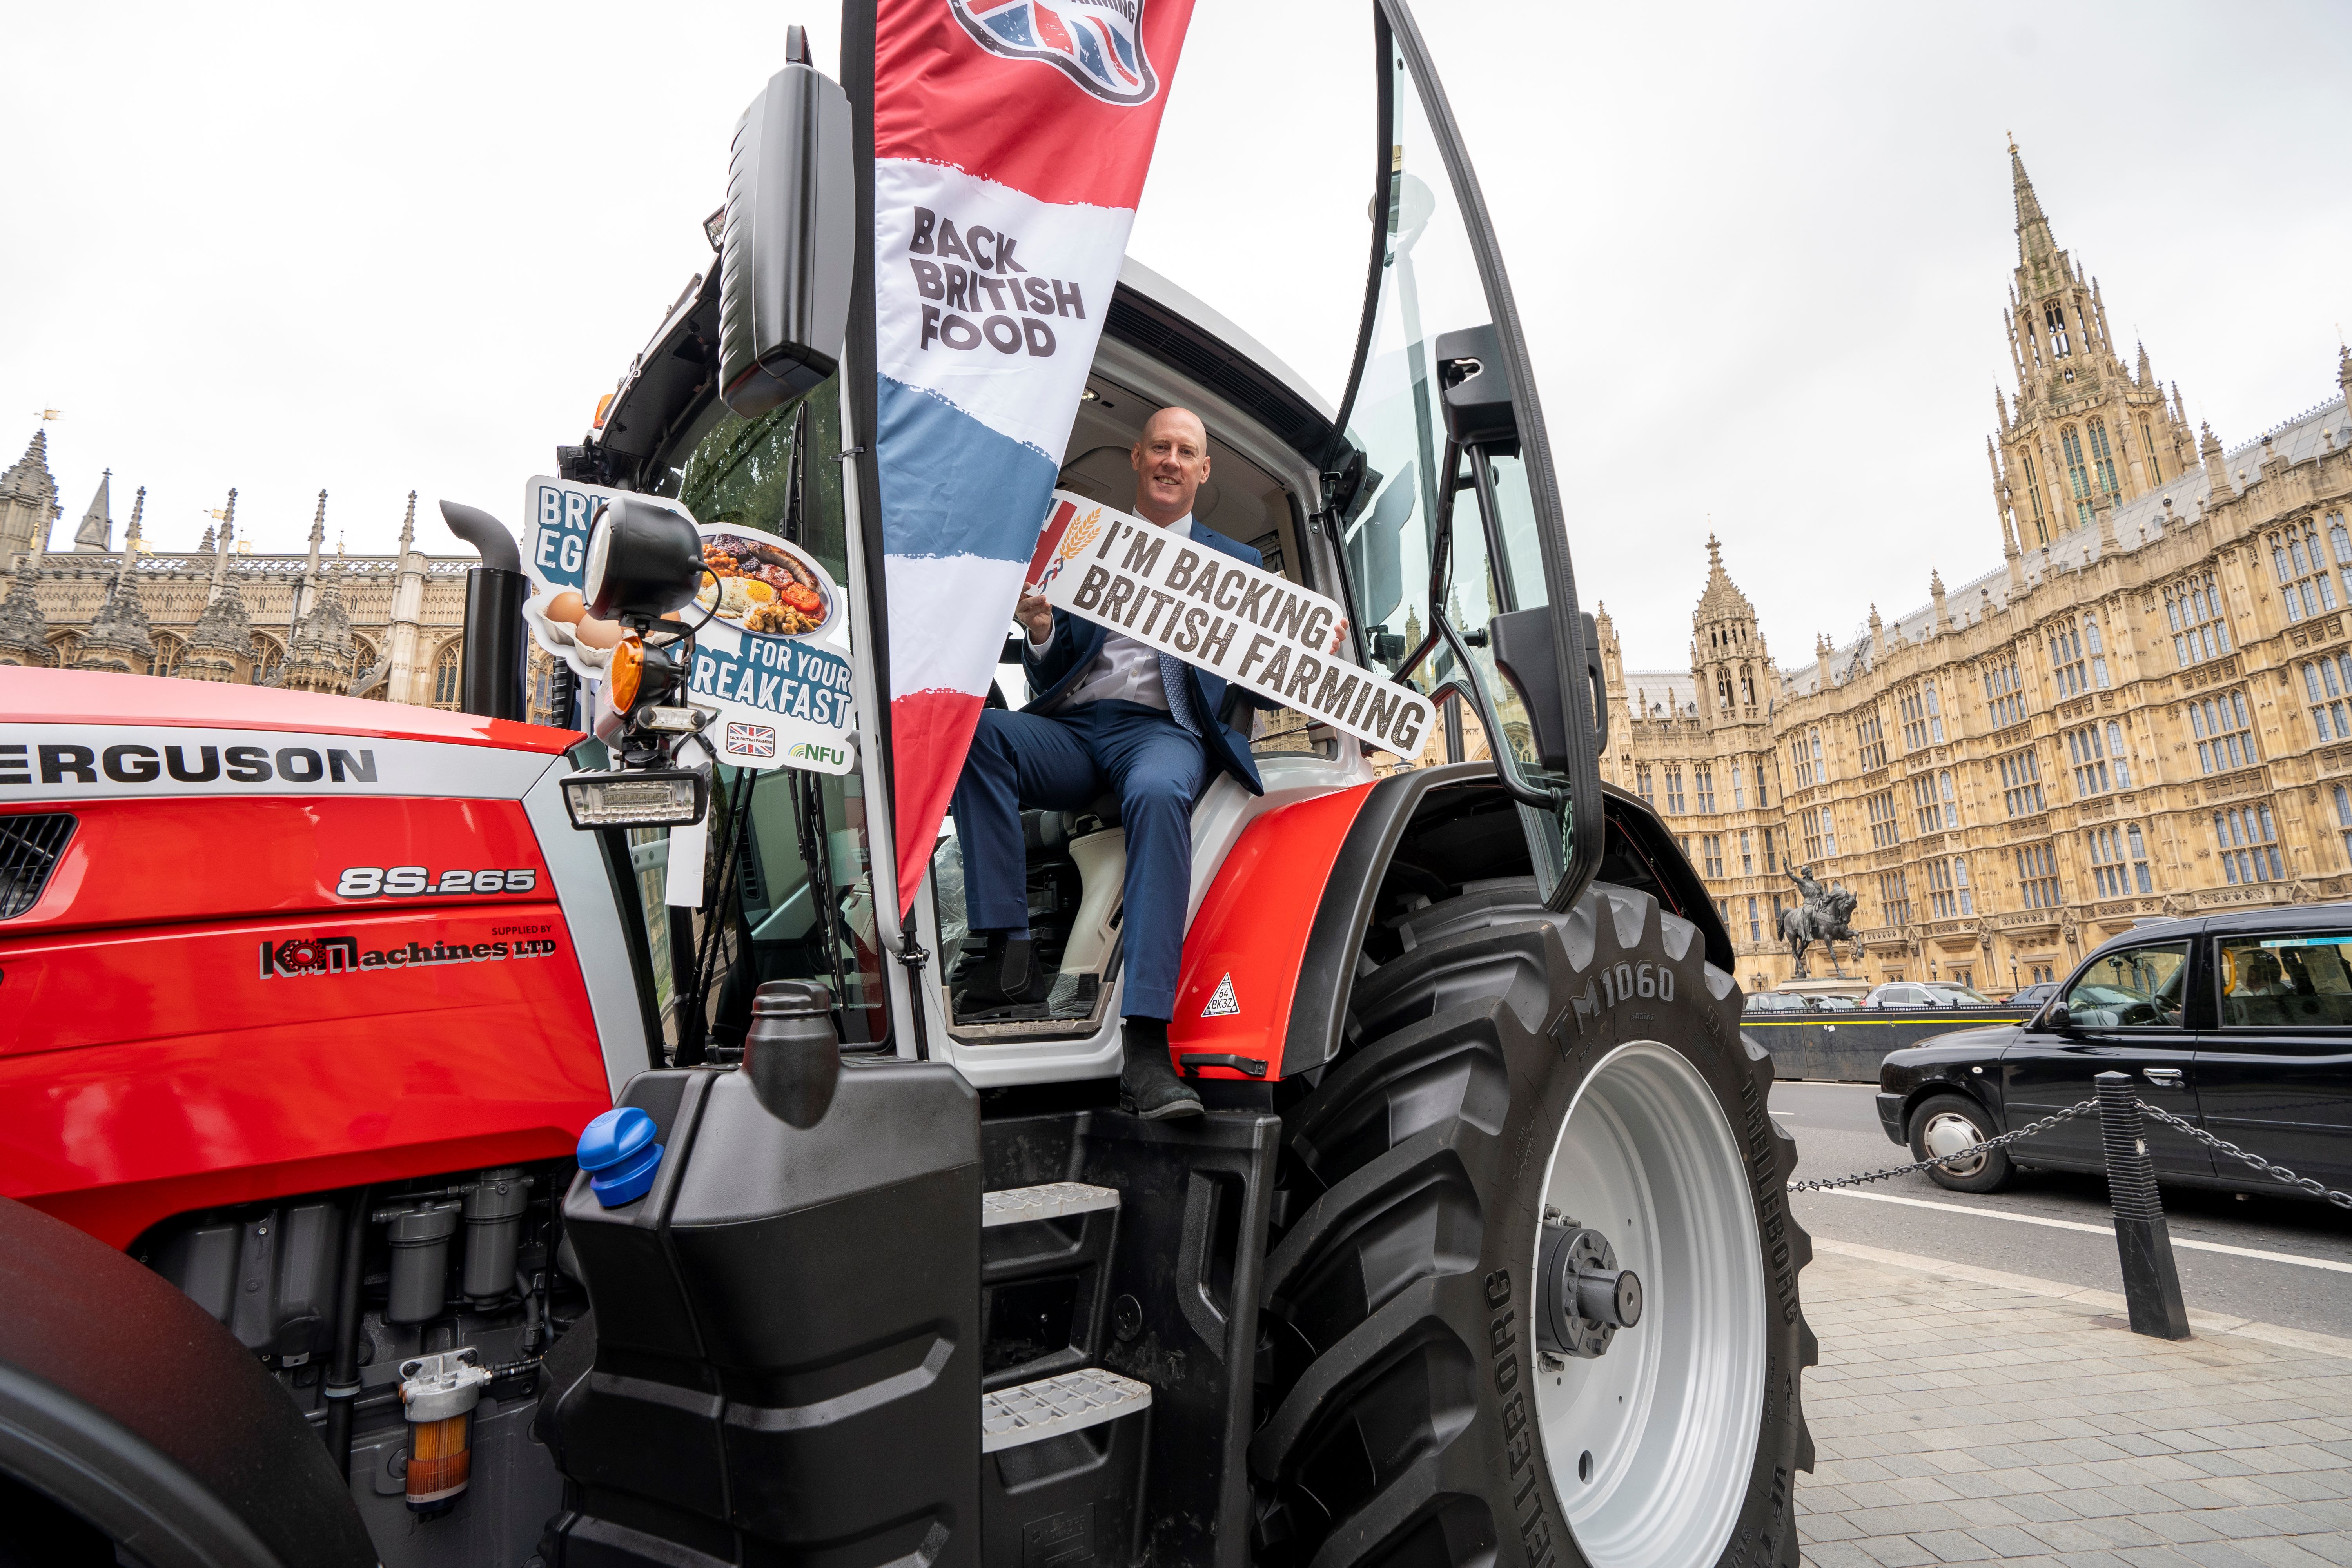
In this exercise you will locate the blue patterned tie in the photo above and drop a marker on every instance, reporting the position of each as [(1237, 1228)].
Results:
[(1180, 695)]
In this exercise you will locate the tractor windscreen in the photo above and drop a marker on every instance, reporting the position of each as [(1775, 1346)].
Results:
[(1417, 509), (783, 861)]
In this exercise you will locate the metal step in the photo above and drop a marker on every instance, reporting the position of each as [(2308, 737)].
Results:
[(1051, 1406), (1054, 1200)]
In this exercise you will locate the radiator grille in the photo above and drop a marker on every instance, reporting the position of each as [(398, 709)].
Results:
[(30, 847)]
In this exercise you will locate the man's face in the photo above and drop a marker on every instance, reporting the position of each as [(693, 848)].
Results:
[(1170, 463)]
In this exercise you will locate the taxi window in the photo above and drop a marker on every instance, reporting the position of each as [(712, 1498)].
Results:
[(2298, 981), (2140, 987)]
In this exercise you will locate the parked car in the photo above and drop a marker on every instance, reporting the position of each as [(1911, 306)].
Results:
[(1776, 1002), (2239, 1023), (1926, 994), (1797, 1001), (2032, 995)]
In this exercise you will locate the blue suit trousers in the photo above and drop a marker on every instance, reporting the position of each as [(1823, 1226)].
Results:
[(1060, 763)]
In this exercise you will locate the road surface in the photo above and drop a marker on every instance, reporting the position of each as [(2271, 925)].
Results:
[(2305, 1284)]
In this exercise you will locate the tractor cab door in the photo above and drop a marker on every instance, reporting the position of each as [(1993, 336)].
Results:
[(1441, 483)]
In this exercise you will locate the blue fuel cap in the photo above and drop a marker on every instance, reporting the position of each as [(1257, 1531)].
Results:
[(620, 1155)]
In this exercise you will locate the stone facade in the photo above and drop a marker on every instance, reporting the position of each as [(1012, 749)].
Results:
[(2145, 710), (387, 627)]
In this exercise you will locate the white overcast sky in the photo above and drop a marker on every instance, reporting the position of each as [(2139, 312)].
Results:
[(1761, 251)]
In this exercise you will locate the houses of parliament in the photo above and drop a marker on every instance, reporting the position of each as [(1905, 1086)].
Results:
[(384, 627), (2145, 709)]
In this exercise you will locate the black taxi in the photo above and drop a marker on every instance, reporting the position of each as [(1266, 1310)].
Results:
[(2238, 1023)]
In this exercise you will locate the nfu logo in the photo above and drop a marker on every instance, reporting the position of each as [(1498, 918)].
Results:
[(1099, 44), (808, 752)]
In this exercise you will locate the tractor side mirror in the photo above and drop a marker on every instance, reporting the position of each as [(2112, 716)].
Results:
[(788, 246), (1523, 646)]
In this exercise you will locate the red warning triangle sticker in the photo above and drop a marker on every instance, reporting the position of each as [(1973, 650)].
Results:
[(1224, 1003)]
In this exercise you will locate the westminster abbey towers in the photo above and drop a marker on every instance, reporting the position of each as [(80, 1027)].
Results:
[(2145, 709)]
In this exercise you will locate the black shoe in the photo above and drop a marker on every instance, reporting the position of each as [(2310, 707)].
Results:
[(1148, 1085), (1004, 974)]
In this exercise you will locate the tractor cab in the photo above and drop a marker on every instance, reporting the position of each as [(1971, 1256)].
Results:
[(1425, 504)]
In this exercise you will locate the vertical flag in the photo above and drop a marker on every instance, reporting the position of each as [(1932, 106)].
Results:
[(1011, 139)]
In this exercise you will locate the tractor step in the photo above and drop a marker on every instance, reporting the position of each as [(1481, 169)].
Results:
[(1053, 1200), (1052, 1407)]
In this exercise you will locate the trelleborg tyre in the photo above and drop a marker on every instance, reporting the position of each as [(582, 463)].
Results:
[(1513, 1062)]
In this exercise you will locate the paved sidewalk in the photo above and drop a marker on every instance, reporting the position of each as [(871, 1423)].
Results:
[(1961, 1416)]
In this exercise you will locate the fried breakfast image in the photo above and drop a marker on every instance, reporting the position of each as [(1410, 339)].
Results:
[(760, 587)]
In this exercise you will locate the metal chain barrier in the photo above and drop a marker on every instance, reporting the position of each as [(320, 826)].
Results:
[(2276, 1173), (2080, 1108)]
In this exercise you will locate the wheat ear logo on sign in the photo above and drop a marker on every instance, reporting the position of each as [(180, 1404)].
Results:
[(1099, 44)]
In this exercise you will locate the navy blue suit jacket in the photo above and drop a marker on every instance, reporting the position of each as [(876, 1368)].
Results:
[(1054, 668)]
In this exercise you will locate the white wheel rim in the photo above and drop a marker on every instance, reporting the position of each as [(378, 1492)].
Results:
[(1650, 1444)]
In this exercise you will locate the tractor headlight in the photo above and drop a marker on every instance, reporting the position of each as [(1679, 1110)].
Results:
[(655, 797), (643, 560)]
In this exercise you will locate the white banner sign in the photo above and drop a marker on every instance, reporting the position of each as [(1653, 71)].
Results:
[(1241, 622), (773, 658)]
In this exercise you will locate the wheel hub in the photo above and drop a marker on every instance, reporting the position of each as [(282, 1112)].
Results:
[(1586, 1298), (1947, 1134), (1650, 1446)]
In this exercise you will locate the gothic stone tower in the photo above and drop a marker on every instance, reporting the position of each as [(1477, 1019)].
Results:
[(2086, 434), (1731, 669), (29, 502)]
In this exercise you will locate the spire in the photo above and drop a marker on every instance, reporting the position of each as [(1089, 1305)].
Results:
[(220, 544), (28, 501), (1999, 409), (306, 594), (130, 534), (117, 639), (2209, 452), (2029, 215), (96, 534), (2343, 370), (1936, 592), (2146, 374), (1877, 636), (224, 633), (408, 526)]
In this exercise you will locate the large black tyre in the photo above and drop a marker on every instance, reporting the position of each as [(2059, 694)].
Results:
[(1406, 1420)]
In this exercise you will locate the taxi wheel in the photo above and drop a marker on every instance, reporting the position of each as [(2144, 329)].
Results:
[(1948, 1123)]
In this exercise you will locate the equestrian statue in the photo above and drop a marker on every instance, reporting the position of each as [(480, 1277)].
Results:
[(1823, 917)]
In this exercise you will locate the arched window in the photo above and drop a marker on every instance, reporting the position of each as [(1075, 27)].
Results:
[(2326, 684), (2034, 491), (165, 658), (2147, 439), (445, 675), (2053, 316), (2078, 657), (2305, 585), (2078, 474), (2193, 610), (2103, 461)]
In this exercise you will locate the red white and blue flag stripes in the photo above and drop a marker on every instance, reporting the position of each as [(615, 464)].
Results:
[(1011, 140)]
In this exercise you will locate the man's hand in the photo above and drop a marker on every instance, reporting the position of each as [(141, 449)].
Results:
[(1038, 616)]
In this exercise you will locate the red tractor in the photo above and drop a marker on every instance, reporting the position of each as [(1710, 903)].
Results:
[(399, 1175)]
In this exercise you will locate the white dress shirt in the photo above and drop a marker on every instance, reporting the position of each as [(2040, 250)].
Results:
[(1126, 669)]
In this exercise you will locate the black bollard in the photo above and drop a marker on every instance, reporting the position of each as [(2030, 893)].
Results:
[(2144, 1245)]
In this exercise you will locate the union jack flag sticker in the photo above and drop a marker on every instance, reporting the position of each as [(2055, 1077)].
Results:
[(1097, 44), (750, 740)]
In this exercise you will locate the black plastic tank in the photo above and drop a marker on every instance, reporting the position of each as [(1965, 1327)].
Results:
[(787, 1348)]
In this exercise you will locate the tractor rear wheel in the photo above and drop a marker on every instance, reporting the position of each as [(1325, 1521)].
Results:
[(1535, 1105)]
